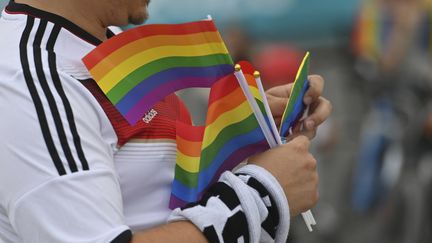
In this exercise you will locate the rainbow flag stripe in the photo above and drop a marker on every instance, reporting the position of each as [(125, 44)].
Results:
[(189, 140), (139, 67), (231, 135), (295, 107)]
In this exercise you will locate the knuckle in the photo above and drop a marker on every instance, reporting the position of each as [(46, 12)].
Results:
[(315, 198), (328, 104), (311, 201), (311, 163), (315, 179), (299, 147), (303, 141), (316, 78)]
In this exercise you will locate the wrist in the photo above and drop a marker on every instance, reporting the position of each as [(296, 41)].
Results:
[(250, 206), (277, 195)]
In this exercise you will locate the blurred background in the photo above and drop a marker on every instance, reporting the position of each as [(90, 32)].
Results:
[(375, 152)]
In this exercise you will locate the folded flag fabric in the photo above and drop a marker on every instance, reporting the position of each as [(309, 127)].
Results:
[(189, 140), (231, 135), (141, 66), (295, 106)]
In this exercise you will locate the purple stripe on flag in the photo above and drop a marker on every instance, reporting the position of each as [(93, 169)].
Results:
[(148, 101), (147, 86), (239, 155), (186, 194), (176, 202)]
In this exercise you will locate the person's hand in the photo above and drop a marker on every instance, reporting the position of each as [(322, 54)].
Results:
[(320, 108), (295, 169)]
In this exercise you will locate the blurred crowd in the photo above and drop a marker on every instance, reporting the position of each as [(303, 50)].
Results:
[(375, 152)]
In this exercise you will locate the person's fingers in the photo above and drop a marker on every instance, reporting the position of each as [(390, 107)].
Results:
[(297, 127), (281, 91), (316, 86), (277, 105), (320, 111), (301, 142), (298, 131), (278, 98), (309, 133)]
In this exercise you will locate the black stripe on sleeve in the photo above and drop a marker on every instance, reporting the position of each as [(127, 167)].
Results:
[(124, 237), (36, 99), (37, 52), (67, 106), (271, 223), (221, 190)]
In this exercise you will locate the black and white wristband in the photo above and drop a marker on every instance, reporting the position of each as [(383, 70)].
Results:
[(247, 207), (269, 190)]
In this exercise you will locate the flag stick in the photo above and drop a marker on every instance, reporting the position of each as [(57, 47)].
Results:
[(307, 221), (311, 217), (267, 107), (258, 114)]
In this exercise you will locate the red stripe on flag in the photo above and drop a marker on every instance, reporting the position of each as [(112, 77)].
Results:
[(118, 41)]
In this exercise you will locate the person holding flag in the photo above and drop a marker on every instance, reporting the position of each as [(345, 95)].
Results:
[(72, 169)]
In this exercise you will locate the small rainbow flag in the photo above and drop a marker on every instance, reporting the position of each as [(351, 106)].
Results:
[(295, 107), (139, 67), (231, 135)]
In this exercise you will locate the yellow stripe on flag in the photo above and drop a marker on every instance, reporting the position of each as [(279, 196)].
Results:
[(123, 53), (228, 118), (187, 163), (119, 72)]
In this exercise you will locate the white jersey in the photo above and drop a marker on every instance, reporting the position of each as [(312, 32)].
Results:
[(71, 168)]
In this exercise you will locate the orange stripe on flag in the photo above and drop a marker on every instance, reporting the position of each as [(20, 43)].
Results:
[(117, 42), (227, 103), (189, 148), (122, 54)]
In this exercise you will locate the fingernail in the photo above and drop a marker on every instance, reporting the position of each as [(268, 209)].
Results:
[(310, 125), (307, 100)]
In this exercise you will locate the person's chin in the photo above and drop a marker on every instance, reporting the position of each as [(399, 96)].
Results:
[(138, 19)]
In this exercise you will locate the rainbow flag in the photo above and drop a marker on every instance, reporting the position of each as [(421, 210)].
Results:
[(367, 41), (231, 135), (141, 66), (295, 106)]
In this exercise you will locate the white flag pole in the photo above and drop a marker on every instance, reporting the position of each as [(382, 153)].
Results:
[(255, 108), (267, 108)]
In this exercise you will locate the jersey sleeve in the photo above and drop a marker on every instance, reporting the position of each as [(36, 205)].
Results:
[(183, 113), (57, 177)]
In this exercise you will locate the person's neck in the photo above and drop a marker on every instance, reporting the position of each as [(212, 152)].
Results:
[(81, 13)]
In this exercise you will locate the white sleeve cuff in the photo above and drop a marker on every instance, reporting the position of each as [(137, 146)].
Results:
[(277, 193)]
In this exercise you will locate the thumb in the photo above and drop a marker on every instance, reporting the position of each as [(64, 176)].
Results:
[(301, 141)]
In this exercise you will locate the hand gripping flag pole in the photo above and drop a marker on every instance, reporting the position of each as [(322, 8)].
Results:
[(307, 216)]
